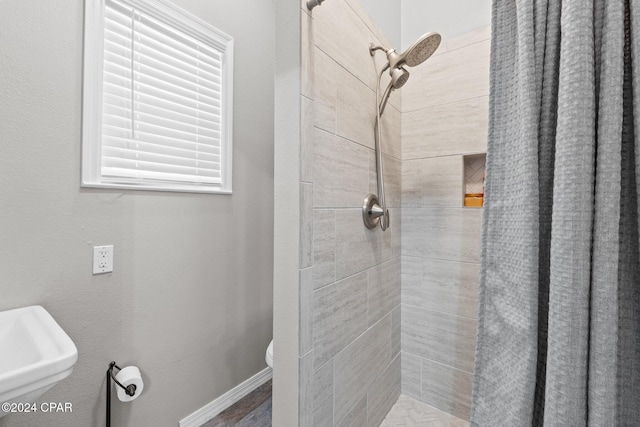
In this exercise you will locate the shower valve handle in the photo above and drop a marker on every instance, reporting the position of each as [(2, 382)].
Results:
[(375, 211), (372, 212)]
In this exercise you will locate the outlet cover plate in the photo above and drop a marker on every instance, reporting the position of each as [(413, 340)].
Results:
[(102, 259)]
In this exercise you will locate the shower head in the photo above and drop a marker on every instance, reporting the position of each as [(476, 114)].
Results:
[(399, 77), (420, 51)]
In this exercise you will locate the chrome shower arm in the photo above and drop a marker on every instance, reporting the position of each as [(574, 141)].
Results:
[(373, 48), (313, 3)]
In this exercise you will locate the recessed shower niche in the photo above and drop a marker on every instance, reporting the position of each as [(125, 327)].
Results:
[(474, 171)]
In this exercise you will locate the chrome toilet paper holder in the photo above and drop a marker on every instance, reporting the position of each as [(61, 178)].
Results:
[(130, 389)]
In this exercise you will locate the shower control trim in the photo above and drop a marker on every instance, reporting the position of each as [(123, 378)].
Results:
[(371, 211)]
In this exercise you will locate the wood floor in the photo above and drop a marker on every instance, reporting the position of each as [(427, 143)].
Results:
[(253, 410)]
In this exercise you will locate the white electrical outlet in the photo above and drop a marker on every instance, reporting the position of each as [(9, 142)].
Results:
[(102, 259)]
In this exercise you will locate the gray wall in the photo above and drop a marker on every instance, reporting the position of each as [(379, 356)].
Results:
[(386, 14), (449, 18), (190, 300), (287, 127), (444, 118)]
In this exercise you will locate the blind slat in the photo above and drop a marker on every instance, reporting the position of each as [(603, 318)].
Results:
[(187, 145), (168, 147), (185, 93), (203, 152), (118, 18), (159, 158), (210, 89), (157, 97), (112, 99), (188, 128), (188, 53), (153, 129), (180, 116), (144, 55), (176, 39), (140, 166)]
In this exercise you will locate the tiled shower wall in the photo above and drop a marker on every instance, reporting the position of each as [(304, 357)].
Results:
[(349, 275), (444, 116)]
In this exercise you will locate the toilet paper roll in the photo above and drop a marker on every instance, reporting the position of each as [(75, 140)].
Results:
[(127, 376)]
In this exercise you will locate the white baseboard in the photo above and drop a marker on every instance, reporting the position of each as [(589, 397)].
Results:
[(211, 409)]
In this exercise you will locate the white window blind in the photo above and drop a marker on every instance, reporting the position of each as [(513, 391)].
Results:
[(165, 121)]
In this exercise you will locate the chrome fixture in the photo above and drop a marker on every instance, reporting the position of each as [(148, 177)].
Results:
[(374, 208), (313, 3), (371, 211)]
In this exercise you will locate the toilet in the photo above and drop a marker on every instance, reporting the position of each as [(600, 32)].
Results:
[(268, 357)]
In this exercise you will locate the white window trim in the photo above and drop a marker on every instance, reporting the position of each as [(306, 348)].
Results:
[(92, 95)]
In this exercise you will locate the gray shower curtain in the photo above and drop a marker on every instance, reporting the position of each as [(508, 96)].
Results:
[(559, 321)]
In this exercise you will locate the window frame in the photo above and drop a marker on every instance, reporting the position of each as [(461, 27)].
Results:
[(92, 96)]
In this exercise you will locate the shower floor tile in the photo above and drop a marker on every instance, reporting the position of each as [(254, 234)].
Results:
[(408, 412)]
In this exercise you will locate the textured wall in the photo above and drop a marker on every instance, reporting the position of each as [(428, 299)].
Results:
[(445, 107), (449, 18), (386, 14), (190, 300), (349, 275)]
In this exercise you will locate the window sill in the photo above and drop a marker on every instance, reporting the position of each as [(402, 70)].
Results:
[(165, 188)]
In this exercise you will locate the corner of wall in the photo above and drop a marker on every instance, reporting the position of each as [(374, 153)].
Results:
[(286, 212)]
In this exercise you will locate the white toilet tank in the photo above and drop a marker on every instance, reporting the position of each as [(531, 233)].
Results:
[(268, 357)]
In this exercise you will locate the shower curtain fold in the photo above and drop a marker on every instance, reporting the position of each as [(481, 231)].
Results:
[(559, 313)]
